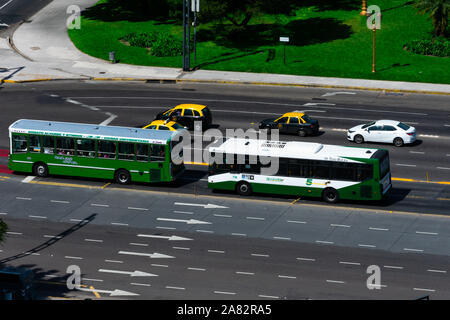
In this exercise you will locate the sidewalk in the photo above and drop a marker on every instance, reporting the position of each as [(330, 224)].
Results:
[(46, 53)]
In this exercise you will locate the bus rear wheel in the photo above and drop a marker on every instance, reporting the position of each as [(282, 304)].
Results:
[(330, 195), (244, 189), (122, 176), (40, 169)]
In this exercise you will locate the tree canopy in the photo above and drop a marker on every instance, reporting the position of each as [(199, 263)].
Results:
[(438, 11)]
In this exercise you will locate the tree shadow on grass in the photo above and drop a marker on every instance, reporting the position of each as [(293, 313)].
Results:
[(301, 32)]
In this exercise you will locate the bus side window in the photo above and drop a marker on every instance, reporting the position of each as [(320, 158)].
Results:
[(157, 152), (49, 145), (65, 146), (106, 149), (86, 148), (142, 152), (19, 143), (126, 151), (35, 144)]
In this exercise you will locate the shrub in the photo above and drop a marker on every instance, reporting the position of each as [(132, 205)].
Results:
[(440, 47), (143, 40), (166, 46)]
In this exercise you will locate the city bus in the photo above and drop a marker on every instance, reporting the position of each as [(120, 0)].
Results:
[(304, 169), (85, 150)]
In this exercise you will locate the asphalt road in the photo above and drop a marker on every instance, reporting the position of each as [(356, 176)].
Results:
[(13, 12), (248, 248)]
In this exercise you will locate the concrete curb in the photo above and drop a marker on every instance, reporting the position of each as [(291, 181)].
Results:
[(176, 81)]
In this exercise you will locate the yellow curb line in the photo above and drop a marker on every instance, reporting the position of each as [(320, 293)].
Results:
[(241, 83), (95, 292)]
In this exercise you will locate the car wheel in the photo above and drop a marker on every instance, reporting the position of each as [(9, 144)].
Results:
[(330, 195), (40, 169), (244, 189), (398, 142), (301, 133), (122, 176), (358, 139)]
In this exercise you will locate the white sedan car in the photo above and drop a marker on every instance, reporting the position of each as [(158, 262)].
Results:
[(387, 131)]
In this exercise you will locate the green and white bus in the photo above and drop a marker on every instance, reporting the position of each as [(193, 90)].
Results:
[(94, 151), (305, 169)]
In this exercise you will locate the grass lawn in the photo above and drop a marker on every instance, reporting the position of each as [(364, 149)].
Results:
[(324, 42)]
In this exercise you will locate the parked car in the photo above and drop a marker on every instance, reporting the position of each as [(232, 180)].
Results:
[(164, 125), (386, 131), (295, 122), (187, 114)]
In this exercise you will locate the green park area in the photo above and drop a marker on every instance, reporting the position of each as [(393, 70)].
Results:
[(326, 37)]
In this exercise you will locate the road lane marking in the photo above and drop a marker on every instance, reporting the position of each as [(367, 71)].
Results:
[(190, 221), (286, 277), (37, 217), (114, 261), (159, 265), (170, 238), (428, 233), (184, 212), (28, 179), (135, 273), (99, 205), (422, 289), (3, 213), (139, 209), (417, 152), (437, 271), (166, 228), (20, 198), (405, 165), (222, 215), (239, 234), (216, 251), (340, 225), (14, 233), (71, 257), (245, 273), (324, 242), (59, 201), (50, 236), (175, 288), (205, 231), (150, 255), (443, 168), (350, 263), (139, 244), (196, 269), (296, 221), (393, 267), (181, 248), (378, 229), (268, 297), (255, 218), (306, 259), (109, 120), (367, 245), (335, 281), (93, 240), (413, 250), (260, 255), (119, 224), (225, 292), (282, 238), (94, 280), (6, 4), (140, 284)]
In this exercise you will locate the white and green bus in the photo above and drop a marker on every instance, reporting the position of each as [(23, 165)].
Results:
[(94, 151), (304, 169)]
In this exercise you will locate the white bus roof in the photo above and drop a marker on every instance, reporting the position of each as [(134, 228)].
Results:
[(291, 149), (92, 131)]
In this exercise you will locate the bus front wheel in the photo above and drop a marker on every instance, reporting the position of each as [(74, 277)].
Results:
[(40, 169), (244, 189), (122, 176), (330, 195)]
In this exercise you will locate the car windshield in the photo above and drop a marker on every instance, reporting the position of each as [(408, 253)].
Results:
[(403, 126), (368, 124), (176, 126)]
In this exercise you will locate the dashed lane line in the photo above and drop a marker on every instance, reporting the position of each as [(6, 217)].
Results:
[(140, 284), (139, 209), (394, 267), (37, 217), (367, 245), (255, 218), (225, 292), (205, 231), (113, 261), (196, 269), (59, 201), (340, 225), (119, 224), (93, 280), (99, 205), (14, 233), (175, 288), (71, 257), (159, 265), (413, 250), (427, 233), (437, 271), (306, 259), (216, 251), (238, 234), (282, 238), (181, 248), (378, 229), (423, 289), (336, 281), (286, 277), (350, 263), (93, 240), (268, 297), (20, 198), (139, 244), (245, 273), (324, 242), (296, 221), (166, 228), (260, 255)]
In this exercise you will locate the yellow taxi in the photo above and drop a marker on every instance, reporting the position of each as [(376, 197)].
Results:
[(164, 125), (187, 115), (295, 122)]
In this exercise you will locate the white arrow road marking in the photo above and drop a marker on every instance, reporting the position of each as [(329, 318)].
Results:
[(109, 120), (335, 93), (206, 206), (113, 293), (150, 255), (170, 238), (190, 221), (135, 273)]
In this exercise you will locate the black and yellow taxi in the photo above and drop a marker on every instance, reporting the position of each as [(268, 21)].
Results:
[(187, 115), (294, 122), (164, 125)]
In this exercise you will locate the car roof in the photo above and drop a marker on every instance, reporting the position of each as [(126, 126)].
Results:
[(197, 107), (389, 122), (162, 123), (293, 114)]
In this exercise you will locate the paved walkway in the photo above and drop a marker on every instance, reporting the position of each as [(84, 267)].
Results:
[(46, 52)]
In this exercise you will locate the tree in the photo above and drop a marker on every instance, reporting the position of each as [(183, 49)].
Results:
[(3, 229), (438, 12)]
